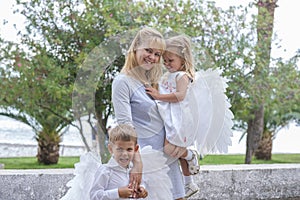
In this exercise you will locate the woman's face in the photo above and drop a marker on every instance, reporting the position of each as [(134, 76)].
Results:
[(146, 57), (172, 62)]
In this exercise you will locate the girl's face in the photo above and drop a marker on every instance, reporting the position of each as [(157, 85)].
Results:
[(123, 151), (172, 62), (147, 57)]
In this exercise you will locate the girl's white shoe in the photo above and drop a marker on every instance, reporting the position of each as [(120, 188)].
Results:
[(194, 166), (190, 189)]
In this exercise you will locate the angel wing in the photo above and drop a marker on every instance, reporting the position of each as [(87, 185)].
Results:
[(84, 172), (155, 174), (211, 110)]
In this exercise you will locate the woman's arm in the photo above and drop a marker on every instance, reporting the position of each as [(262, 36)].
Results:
[(121, 95), (121, 101), (136, 173), (181, 88)]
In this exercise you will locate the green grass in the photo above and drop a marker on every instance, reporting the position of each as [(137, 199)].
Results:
[(240, 159), (31, 163), (68, 162)]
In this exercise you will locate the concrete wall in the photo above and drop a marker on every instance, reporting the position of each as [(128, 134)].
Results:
[(236, 182), (232, 182)]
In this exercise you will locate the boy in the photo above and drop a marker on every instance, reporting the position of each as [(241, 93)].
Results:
[(112, 179)]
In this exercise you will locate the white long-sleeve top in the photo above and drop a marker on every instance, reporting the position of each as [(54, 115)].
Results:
[(108, 178)]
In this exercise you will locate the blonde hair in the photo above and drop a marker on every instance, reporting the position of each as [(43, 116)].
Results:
[(147, 38), (181, 46), (122, 132)]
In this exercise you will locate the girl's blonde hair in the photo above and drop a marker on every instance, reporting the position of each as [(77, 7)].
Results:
[(181, 46), (122, 132), (145, 38)]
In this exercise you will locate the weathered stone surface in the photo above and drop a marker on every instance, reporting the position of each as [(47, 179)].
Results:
[(236, 182), (232, 182), (33, 184)]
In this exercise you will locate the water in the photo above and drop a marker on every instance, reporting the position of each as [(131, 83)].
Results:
[(18, 139)]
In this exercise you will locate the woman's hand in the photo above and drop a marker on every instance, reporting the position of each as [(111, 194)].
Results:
[(135, 176)]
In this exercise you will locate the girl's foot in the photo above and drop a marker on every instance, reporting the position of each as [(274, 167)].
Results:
[(194, 166), (190, 189)]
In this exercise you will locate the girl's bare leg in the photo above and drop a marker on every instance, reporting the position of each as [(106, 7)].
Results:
[(174, 151), (184, 167), (170, 149)]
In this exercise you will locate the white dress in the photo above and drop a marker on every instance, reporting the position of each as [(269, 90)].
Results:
[(203, 119), (109, 177)]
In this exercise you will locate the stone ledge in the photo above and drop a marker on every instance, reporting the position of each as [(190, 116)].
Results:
[(232, 182), (274, 181)]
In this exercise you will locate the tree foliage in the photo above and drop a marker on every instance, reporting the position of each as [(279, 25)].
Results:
[(67, 65)]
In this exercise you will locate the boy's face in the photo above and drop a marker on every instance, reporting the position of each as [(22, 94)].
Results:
[(123, 151), (172, 62)]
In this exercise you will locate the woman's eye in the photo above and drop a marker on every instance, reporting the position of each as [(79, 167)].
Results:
[(149, 50), (157, 54)]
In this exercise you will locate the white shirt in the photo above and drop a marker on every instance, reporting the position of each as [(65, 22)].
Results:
[(108, 178)]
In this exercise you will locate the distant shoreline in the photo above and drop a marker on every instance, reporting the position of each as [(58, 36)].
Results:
[(17, 133), (30, 150)]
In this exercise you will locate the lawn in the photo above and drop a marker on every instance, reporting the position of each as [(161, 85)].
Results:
[(31, 163), (240, 159), (68, 162)]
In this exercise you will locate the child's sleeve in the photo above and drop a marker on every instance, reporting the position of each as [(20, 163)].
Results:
[(84, 173), (99, 191)]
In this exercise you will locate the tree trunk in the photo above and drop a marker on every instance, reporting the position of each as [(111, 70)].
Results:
[(48, 150), (102, 139), (254, 133), (264, 150), (265, 22)]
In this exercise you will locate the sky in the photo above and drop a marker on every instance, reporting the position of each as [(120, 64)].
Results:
[(285, 26)]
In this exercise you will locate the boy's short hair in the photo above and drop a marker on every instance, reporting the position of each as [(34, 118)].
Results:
[(122, 132)]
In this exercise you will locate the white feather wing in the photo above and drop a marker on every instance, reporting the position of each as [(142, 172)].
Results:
[(84, 172), (155, 174), (211, 110)]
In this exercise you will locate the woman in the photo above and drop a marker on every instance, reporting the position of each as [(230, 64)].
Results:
[(133, 106)]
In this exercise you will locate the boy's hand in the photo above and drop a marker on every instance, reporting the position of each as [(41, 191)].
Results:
[(125, 192), (142, 193)]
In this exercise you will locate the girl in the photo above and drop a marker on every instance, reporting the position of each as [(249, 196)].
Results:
[(178, 61), (185, 104)]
